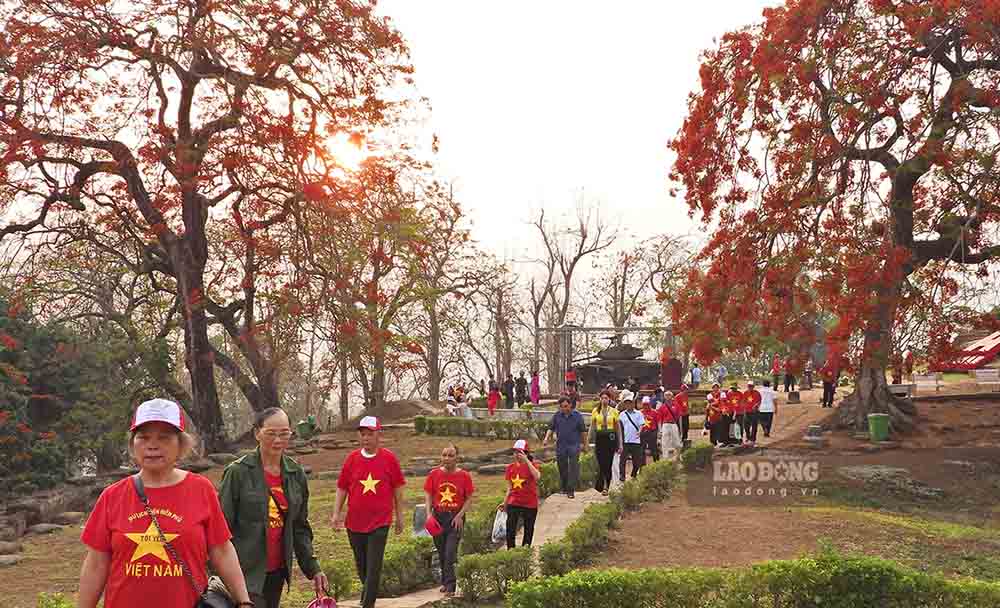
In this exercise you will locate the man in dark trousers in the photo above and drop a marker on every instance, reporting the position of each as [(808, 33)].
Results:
[(521, 389), (571, 438), (630, 421), (508, 392)]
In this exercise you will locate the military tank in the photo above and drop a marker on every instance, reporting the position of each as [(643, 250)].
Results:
[(615, 364)]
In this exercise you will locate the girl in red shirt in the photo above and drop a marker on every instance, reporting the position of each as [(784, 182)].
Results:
[(522, 495)]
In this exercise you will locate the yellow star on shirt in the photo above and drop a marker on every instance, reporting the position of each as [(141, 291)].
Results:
[(369, 484), (447, 497), (648, 424), (150, 543), (517, 482)]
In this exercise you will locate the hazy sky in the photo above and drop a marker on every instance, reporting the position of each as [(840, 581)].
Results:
[(536, 101)]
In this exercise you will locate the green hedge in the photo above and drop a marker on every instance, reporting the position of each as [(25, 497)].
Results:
[(477, 532), (490, 575), (697, 457), (451, 426), (407, 567), (826, 581)]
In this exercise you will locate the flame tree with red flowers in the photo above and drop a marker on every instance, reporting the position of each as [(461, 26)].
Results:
[(183, 124), (843, 153)]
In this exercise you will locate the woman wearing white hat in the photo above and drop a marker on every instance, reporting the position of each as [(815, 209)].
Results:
[(521, 502), (150, 535)]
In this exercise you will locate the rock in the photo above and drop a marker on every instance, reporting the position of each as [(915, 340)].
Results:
[(44, 528), (9, 560), (860, 436), (814, 430), (871, 449), (12, 526), (418, 471), (946, 428), (82, 480), (198, 466), (304, 451), (222, 458), (327, 475), (27, 506), (492, 469), (9, 547), (68, 518), (888, 445), (816, 443), (793, 397)]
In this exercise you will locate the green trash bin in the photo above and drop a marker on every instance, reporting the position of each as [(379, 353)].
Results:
[(304, 429), (878, 427)]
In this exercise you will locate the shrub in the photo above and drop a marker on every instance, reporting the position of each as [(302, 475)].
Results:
[(630, 495), (828, 580), (477, 533), (658, 479), (473, 427), (407, 567), (489, 575), (554, 558), (697, 457), (54, 600), (343, 577)]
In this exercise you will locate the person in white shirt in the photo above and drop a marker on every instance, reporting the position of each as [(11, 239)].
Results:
[(630, 421), (765, 414)]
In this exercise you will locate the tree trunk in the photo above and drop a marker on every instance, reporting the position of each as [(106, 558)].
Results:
[(377, 397), (871, 392), (345, 413), (434, 355), (199, 355)]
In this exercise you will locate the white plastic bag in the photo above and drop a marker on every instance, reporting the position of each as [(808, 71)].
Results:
[(736, 431), (616, 479), (500, 527)]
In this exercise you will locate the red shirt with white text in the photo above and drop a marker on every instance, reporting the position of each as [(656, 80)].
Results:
[(142, 571)]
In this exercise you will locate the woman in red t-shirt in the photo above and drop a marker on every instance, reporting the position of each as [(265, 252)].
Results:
[(135, 559), (494, 397), (447, 496), (522, 495)]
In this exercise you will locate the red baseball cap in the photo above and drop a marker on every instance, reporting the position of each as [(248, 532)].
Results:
[(370, 422), (520, 445), (158, 410)]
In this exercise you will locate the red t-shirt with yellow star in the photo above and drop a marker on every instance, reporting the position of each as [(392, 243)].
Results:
[(370, 483), (141, 566), (523, 488), (450, 490), (275, 523)]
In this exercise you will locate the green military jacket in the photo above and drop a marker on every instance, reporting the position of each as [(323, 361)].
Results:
[(244, 497)]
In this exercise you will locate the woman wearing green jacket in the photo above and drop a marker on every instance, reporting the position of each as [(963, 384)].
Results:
[(265, 498)]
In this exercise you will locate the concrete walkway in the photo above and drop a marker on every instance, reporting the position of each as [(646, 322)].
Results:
[(556, 513)]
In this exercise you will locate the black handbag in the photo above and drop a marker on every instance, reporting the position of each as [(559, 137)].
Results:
[(207, 598)]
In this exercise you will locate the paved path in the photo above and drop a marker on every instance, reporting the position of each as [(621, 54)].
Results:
[(558, 512)]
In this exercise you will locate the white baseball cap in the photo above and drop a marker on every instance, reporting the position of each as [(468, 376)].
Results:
[(521, 445), (370, 422), (626, 396), (158, 410), (645, 400)]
